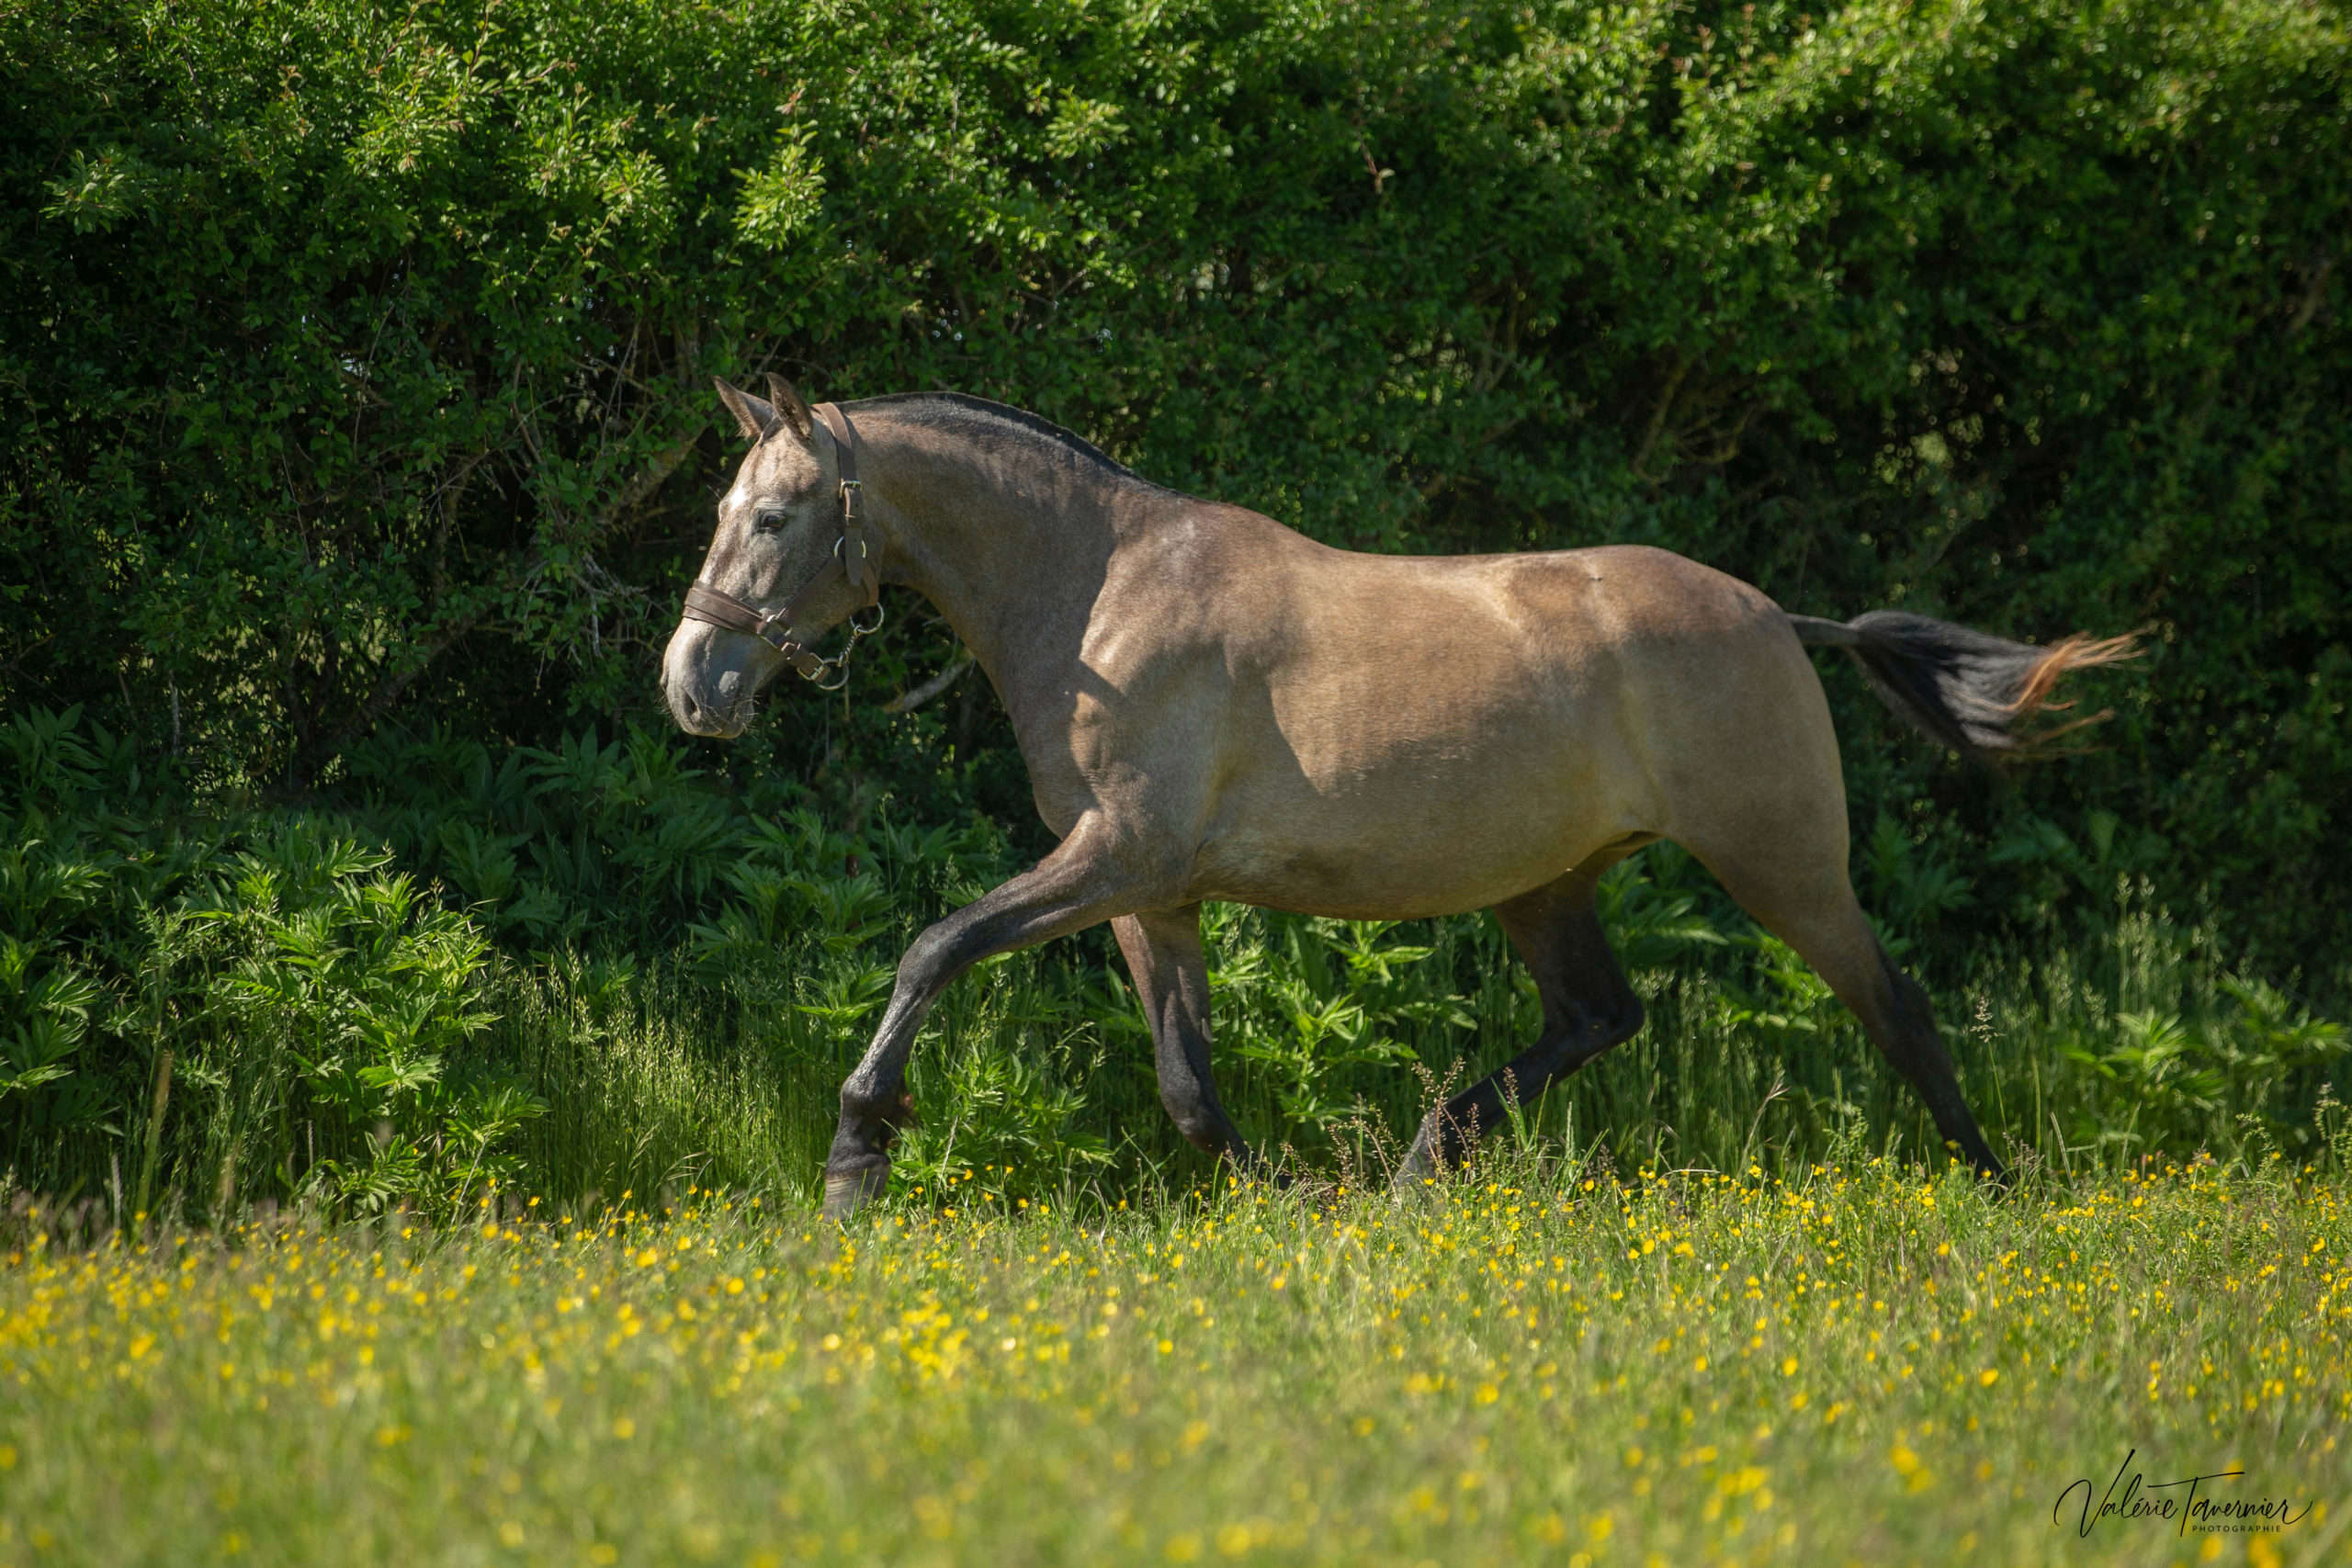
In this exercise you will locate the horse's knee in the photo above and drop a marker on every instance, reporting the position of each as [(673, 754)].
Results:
[(1606, 1024), (932, 952)]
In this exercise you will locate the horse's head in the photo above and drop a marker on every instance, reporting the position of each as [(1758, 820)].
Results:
[(779, 524)]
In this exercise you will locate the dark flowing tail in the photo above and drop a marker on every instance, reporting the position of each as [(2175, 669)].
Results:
[(1962, 688)]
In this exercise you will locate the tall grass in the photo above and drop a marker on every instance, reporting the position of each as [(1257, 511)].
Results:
[(590, 969), (1035, 1077)]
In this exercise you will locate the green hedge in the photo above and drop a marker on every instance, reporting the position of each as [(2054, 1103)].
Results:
[(353, 357)]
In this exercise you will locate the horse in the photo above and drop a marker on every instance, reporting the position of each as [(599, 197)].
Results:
[(1212, 705)]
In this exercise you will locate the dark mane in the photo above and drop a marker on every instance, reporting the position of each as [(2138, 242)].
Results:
[(1005, 415)]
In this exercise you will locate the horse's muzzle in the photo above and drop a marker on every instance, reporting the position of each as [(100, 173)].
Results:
[(719, 722), (706, 682)]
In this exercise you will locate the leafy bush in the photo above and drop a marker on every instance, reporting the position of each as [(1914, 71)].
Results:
[(350, 988), (264, 1004), (352, 358), (2247, 1058)]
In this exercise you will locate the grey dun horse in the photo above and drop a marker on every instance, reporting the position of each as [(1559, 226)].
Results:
[(1212, 705)]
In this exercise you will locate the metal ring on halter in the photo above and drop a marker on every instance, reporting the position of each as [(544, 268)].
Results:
[(840, 666), (856, 630)]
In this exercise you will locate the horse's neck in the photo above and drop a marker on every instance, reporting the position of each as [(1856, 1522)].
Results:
[(1010, 545)]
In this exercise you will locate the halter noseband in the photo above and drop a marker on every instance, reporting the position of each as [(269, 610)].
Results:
[(853, 557)]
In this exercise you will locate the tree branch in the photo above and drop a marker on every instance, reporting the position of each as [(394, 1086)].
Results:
[(438, 637)]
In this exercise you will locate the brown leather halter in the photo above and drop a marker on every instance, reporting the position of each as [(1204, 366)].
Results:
[(853, 557)]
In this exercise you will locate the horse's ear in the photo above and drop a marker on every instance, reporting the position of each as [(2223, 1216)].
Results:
[(790, 405), (755, 418)]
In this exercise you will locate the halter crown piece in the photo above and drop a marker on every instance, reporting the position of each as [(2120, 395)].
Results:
[(853, 557)]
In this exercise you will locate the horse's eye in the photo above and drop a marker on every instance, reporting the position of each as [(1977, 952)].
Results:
[(769, 520)]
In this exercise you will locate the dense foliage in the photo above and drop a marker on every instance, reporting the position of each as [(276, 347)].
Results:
[(352, 357), (355, 442), (196, 1015)]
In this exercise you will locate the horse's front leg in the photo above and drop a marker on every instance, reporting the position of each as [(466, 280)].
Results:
[(1082, 882)]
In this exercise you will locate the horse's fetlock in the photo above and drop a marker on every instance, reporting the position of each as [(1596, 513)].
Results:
[(869, 1108), (849, 1188), (1199, 1120)]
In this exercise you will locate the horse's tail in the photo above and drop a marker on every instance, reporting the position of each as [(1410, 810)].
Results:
[(1962, 688)]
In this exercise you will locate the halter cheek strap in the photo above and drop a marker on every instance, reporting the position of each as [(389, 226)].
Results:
[(853, 557)]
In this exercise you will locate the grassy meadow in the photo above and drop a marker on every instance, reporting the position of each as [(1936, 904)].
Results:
[(1552, 1362)]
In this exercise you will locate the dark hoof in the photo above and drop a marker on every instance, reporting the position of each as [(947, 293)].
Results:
[(848, 1191)]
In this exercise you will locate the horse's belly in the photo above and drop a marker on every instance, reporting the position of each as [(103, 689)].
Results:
[(1340, 884), (1401, 849)]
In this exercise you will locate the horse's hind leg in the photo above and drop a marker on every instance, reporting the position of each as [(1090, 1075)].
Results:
[(1589, 1007), (1171, 975), (1810, 905)]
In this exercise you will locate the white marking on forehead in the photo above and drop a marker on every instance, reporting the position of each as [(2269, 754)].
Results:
[(777, 466), (778, 469)]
